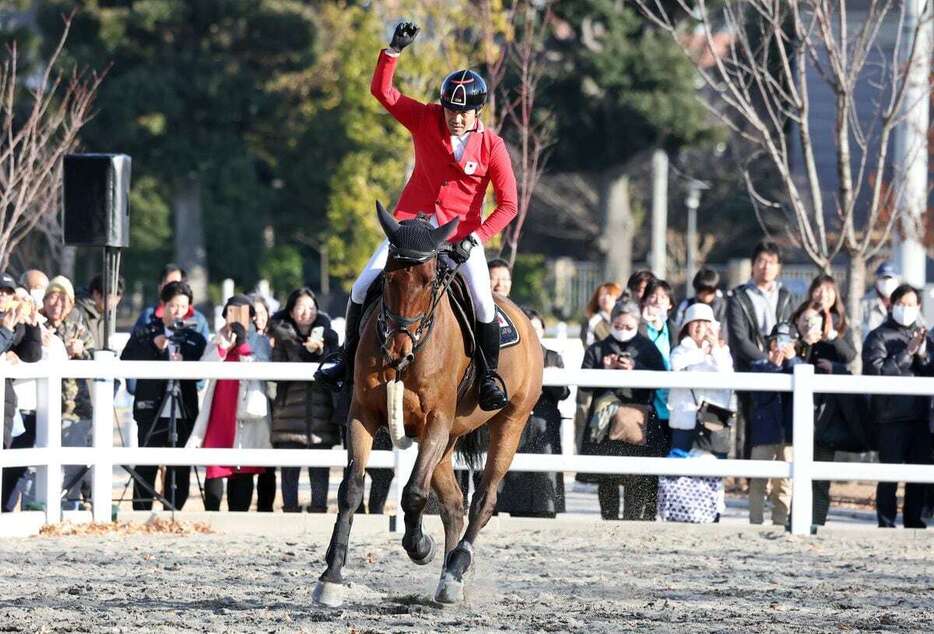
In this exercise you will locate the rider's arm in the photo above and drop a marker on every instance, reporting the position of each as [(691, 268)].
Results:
[(405, 110), (504, 189)]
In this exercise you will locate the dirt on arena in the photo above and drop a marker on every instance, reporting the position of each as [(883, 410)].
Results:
[(530, 576)]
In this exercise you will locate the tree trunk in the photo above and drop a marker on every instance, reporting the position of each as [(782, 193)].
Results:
[(190, 251), (855, 287), (618, 226)]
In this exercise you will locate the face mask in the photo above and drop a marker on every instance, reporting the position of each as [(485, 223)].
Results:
[(905, 315), (37, 295), (652, 314), (623, 334), (886, 285)]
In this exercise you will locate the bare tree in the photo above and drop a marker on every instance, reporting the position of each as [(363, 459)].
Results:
[(758, 85), (34, 138)]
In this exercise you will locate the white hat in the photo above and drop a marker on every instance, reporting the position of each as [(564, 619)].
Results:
[(698, 311)]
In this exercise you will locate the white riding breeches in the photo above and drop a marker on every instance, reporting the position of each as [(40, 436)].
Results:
[(475, 272)]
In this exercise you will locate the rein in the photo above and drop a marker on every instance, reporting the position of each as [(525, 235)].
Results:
[(424, 320)]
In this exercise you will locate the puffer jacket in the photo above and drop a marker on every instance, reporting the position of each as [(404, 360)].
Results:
[(301, 410), (885, 353), (683, 403)]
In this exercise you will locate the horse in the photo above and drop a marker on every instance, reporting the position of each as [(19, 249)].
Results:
[(415, 338)]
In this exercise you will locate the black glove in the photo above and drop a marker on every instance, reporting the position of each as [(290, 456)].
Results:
[(460, 251), (403, 36)]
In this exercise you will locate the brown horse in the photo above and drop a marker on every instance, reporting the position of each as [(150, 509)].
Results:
[(421, 345)]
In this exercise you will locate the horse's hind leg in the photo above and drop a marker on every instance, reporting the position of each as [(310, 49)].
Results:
[(329, 589), (505, 432)]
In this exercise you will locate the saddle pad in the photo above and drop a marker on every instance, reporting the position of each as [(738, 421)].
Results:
[(508, 334)]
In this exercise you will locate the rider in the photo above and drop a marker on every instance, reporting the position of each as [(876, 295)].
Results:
[(456, 158)]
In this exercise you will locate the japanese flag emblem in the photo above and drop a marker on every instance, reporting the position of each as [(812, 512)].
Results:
[(470, 167)]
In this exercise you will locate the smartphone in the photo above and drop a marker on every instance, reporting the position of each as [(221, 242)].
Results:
[(317, 333), (239, 315)]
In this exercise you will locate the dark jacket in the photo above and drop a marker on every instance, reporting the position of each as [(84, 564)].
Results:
[(772, 412), (26, 342), (746, 342), (885, 354), (94, 320), (151, 392), (840, 420), (302, 410)]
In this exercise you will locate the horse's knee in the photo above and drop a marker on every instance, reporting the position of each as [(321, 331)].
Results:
[(452, 510), (350, 493), (483, 503), (414, 499)]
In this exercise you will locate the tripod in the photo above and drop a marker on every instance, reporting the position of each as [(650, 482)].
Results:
[(171, 400)]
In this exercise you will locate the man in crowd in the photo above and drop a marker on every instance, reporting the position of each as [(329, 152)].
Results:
[(35, 282), (58, 307), (874, 309), (752, 312), (500, 276), (174, 273), (92, 308), (706, 286)]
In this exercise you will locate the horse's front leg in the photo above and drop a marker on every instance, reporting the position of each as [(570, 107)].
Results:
[(419, 546), (329, 589)]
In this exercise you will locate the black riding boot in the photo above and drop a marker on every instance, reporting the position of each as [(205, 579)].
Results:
[(492, 389), (343, 369)]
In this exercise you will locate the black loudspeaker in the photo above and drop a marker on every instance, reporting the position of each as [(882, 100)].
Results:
[(96, 200)]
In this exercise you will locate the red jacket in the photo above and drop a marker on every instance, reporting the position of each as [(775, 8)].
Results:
[(440, 184)]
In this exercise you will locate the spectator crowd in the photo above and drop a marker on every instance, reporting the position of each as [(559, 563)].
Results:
[(755, 327)]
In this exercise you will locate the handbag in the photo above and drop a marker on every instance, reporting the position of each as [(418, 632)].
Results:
[(712, 426), (689, 499), (253, 401), (629, 424)]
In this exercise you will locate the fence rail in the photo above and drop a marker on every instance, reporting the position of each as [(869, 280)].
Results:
[(49, 456)]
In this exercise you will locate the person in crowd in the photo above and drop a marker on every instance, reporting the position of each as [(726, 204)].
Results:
[(262, 346), (173, 273), (827, 344), (500, 276), (539, 494), (63, 320), (622, 420), (876, 304), (92, 306), (770, 428), (700, 349), (20, 341), (301, 412), (35, 282), (636, 284), (656, 305), (706, 284), (165, 338), (234, 414), (752, 311), (901, 347), (597, 327)]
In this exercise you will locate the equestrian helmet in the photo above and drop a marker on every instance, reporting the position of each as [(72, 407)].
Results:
[(463, 90)]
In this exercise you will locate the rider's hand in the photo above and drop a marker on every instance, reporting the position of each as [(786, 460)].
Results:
[(403, 36), (460, 251)]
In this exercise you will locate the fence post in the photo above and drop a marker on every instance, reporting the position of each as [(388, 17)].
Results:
[(802, 460), (49, 435), (102, 474)]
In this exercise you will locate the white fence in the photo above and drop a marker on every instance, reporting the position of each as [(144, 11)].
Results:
[(49, 456)]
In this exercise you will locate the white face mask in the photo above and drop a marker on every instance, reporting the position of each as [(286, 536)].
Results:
[(905, 315), (623, 334), (886, 285)]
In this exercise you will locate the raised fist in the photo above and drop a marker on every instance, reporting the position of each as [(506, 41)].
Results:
[(403, 35)]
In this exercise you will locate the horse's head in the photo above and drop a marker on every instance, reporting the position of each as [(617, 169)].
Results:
[(410, 283)]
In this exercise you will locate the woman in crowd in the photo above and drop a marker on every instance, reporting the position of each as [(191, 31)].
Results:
[(635, 286), (262, 347), (826, 343), (700, 350), (301, 412), (901, 347), (234, 414), (656, 305), (539, 494), (596, 328), (622, 421)]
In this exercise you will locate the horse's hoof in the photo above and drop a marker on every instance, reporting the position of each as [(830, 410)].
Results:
[(450, 590), (328, 594), (422, 561)]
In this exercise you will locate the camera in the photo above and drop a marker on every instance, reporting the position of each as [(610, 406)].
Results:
[(181, 331)]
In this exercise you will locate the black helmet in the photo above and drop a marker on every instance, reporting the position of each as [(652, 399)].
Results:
[(463, 90)]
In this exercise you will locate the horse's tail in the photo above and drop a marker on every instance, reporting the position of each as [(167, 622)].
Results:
[(472, 446)]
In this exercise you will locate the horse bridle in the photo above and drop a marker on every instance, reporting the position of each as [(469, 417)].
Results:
[(425, 320)]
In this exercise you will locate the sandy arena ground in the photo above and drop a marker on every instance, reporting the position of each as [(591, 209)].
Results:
[(530, 576)]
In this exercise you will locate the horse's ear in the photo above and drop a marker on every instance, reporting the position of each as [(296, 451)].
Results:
[(444, 232), (386, 221)]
